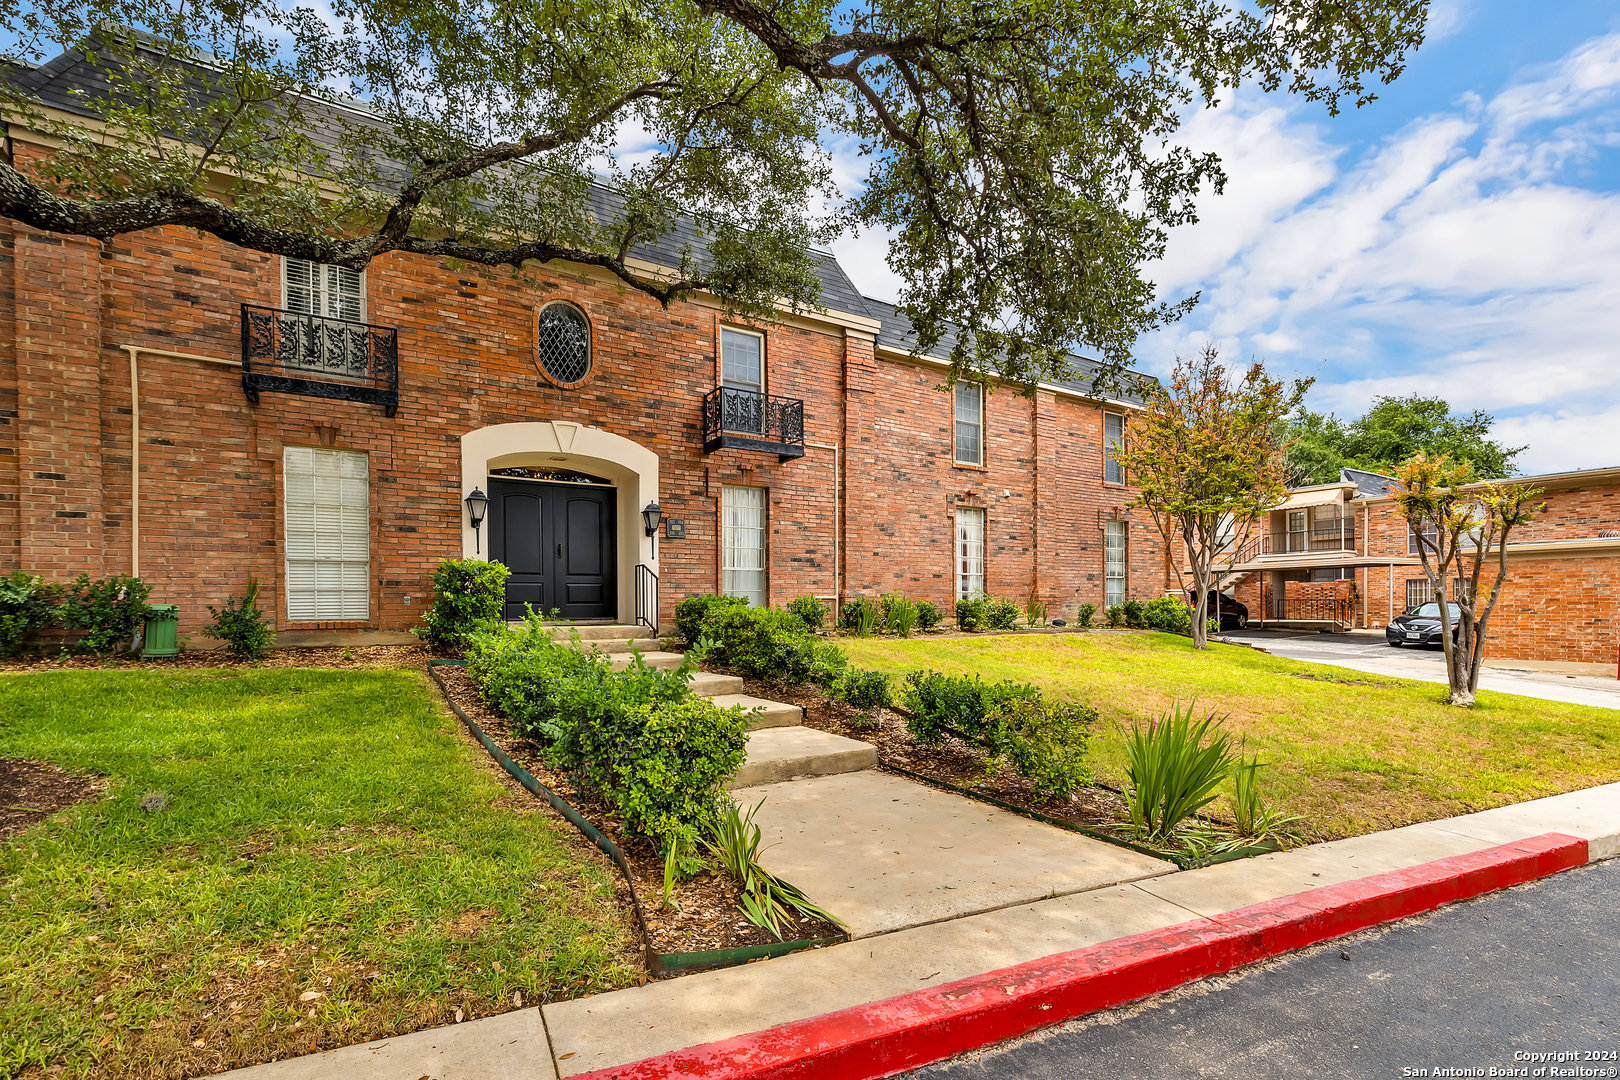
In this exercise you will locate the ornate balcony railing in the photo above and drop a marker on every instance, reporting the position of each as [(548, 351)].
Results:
[(1326, 537), (288, 352), (747, 420)]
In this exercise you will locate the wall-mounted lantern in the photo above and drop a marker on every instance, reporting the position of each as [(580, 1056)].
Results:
[(477, 505), (649, 518)]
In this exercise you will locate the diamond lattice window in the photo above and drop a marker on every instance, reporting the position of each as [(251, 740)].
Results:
[(562, 341)]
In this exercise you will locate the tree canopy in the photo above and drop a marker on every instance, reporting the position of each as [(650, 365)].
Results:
[(1022, 151), (1392, 432)]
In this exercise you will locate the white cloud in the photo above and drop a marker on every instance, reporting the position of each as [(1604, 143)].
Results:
[(1455, 258)]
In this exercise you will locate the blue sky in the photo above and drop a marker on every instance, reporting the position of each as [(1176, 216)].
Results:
[(1458, 237)]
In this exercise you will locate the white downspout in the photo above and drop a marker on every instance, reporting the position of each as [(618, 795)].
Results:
[(838, 566), (135, 439)]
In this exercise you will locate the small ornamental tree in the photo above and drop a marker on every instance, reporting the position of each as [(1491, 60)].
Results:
[(1206, 461), (1461, 526)]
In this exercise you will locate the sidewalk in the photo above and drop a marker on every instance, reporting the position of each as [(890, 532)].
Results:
[(609, 1030)]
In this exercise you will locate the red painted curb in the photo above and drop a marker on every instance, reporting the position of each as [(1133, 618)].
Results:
[(887, 1037)]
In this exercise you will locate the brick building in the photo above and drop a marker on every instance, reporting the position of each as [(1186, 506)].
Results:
[(194, 413), (1339, 555)]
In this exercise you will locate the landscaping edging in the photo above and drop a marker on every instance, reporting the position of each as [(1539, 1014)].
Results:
[(658, 964), (914, 1029), (1182, 861)]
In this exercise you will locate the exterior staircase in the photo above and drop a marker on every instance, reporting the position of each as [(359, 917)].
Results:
[(779, 746)]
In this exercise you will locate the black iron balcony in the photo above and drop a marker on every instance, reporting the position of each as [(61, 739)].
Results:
[(748, 420), (287, 352)]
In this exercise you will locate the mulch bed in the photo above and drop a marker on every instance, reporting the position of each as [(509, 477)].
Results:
[(370, 656), (704, 915), (32, 791), (950, 760)]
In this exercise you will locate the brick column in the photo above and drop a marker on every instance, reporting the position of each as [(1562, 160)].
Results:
[(57, 311)]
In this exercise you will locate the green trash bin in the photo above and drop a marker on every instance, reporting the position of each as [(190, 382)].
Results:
[(162, 625)]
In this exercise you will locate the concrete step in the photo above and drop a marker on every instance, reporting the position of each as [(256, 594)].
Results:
[(595, 631), (622, 660), (772, 713), (616, 648), (708, 684), (787, 753)]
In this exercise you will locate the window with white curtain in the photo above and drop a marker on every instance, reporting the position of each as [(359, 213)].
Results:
[(332, 292), (328, 534), (1114, 582), (1113, 441), (969, 552), (969, 423), (742, 543)]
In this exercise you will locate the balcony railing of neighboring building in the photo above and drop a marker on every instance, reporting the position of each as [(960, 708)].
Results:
[(748, 420), (1333, 609), (288, 352), (1328, 536)]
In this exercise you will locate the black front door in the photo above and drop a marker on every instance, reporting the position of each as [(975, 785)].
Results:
[(558, 541)]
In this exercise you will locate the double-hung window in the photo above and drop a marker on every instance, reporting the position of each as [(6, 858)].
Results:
[(1114, 582), (1113, 441), (969, 552), (1431, 537), (332, 292), (1418, 592), (328, 534), (742, 543), (742, 373), (969, 424)]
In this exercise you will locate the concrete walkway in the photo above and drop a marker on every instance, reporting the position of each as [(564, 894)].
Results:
[(578, 1036), (1367, 651)]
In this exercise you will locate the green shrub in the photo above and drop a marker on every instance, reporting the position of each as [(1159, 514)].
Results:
[(1116, 616), (899, 614), (1041, 741), (1167, 614), (864, 690), (243, 627), (763, 642), (1086, 612), (929, 615), (1132, 610), (658, 755), (812, 612), (468, 595), (858, 614), (690, 613), (1172, 774), (27, 606), (829, 664), (110, 610), (1001, 615), (970, 613)]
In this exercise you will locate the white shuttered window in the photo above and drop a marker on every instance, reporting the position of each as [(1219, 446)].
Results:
[(969, 553), (328, 532), (742, 543), (332, 292)]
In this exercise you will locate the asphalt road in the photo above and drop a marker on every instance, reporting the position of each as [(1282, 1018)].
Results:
[(1367, 652), (1533, 970)]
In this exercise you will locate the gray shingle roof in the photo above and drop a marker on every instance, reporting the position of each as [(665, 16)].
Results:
[(1369, 485)]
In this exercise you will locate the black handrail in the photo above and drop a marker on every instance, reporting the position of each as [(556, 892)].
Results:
[(293, 352), (1325, 538), (647, 598)]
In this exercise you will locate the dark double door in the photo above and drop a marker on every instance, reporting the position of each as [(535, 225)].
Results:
[(558, 541)]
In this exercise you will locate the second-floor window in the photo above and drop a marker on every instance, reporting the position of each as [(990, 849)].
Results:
[(742, 360), (969, 424), (332, 292), (1113, 441), (1431, 535)]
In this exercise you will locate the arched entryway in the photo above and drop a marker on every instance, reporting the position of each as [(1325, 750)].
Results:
[(565, 513)]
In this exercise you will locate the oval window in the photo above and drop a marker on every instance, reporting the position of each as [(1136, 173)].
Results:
[(562, 341)]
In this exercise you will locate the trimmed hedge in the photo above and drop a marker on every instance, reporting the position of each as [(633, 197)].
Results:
[(468, 595)]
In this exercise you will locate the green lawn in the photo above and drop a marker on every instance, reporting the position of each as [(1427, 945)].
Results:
[(327, 832), (1367, 753)]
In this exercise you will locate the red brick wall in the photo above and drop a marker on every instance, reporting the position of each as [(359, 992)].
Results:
[(211, 462)]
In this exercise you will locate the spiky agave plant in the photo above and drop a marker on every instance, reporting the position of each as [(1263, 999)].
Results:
[(1172, 773), (767, 900)]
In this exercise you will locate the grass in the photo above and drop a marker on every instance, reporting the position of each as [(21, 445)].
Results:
[(326, 833), (1350, 752)]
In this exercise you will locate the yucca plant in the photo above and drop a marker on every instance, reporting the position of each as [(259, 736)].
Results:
[(1172, 773), (1255, 818), (902, 616), (767, 901)]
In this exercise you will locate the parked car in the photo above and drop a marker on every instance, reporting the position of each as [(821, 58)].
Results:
[(1420, 625), (1234, 616)]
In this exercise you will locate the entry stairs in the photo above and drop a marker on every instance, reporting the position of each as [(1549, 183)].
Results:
[(779, 747)]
